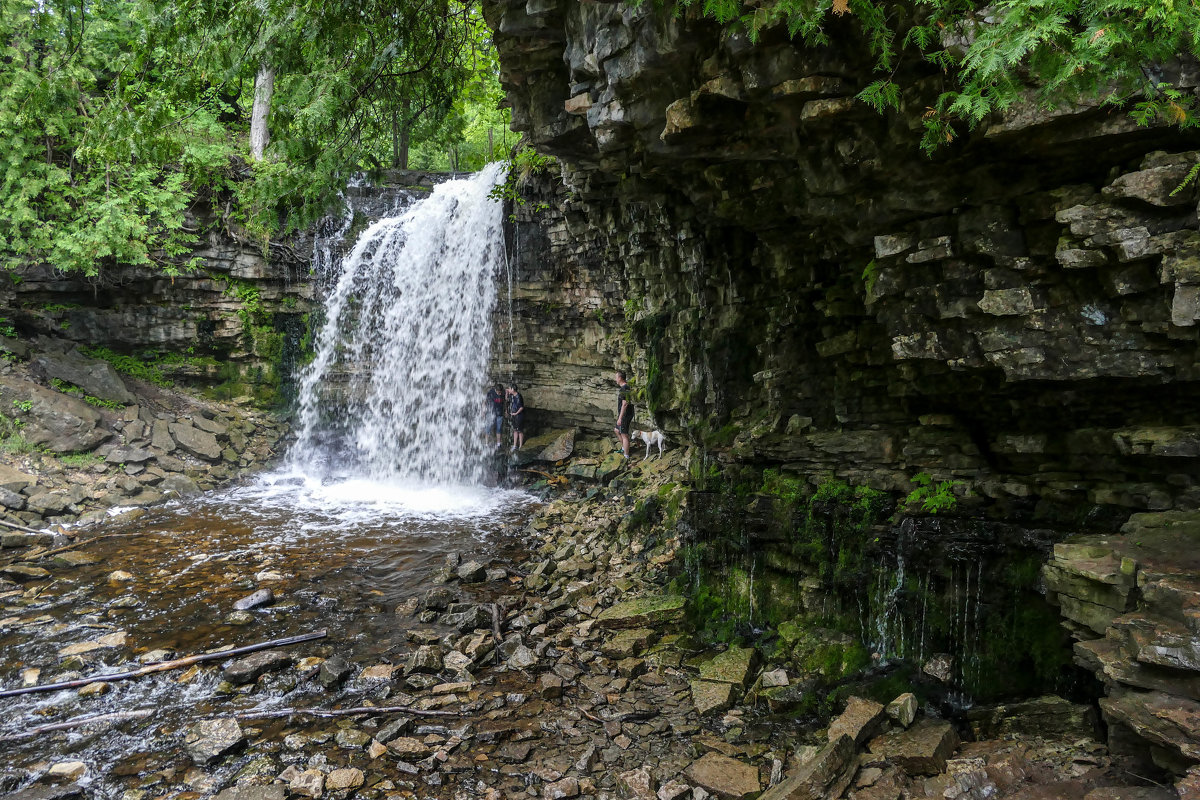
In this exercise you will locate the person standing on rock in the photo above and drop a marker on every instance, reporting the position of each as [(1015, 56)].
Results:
[(624, 412), (516, 413), (494, 404)]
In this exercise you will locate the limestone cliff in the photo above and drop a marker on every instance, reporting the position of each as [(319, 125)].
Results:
[(796, 286), (794, 283)]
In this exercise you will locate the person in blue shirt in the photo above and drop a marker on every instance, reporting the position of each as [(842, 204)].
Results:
[(494, 404)]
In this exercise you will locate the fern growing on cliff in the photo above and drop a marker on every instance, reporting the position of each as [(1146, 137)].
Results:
[(1007, 53)]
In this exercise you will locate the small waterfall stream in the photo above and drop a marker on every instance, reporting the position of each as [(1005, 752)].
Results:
[(394, 391)]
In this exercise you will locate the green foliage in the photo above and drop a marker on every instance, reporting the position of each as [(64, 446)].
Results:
[(526, 163), (7, 329), (121, 117), (870, 275), (12, 439), (80, 460), (23, 405), (933, 497), (998, 54), (129, 365)]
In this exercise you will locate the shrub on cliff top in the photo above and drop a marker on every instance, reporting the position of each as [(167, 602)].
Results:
[(1001, 53)]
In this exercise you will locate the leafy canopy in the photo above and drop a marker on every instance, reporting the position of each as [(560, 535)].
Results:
[(121, 118), (1000, 53)]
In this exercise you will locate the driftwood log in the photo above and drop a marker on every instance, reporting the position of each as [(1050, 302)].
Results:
[(166, 666)]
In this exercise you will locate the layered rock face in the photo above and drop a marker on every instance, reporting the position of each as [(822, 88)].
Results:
[(794, 283)]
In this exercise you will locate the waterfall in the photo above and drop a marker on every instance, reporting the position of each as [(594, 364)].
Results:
[(395, 388)]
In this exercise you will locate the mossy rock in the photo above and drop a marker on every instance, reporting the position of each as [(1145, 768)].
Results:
[(653, 611)]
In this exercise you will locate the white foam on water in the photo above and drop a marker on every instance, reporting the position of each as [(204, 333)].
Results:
[(350, 500)]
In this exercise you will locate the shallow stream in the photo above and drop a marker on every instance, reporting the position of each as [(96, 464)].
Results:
[(338, 555)]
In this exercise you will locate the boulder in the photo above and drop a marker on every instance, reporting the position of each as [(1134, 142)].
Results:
[(824, 775), (248, 669), (23, 572), (344, 779), (652, 611), (191, 439), (425, 659), (711, 696), (732, 666), (208, 740), (96, 378), (860, 721), (60, 423), (725, 777), (920, 750), (14, 480), (472, 572), (1043, 716), (903, 710), (636, 784), (333, 671), (260, 598)]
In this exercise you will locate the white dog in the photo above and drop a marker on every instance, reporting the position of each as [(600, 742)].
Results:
[(651, 438)]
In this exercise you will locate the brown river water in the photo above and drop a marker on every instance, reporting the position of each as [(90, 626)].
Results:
[(338, 557)]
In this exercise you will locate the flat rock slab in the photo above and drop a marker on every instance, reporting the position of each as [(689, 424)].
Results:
[(732, 666), (1039, 717), (712, 696), (860, 721), (826, 774), (274, 791), (248, 669), (725, 777), (14, 480), (629, 643), (21, 573), (74, 558), (201, 444), (116, 639), (920, 750), (207, 741), (64, 791), (654, 611)]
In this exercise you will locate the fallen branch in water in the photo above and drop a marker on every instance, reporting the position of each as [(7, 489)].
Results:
[(79, 722), (81, 542), (345, 712), (166, 666)]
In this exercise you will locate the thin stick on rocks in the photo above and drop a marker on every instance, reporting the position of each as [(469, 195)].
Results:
[(17, 527), (166, 666), (79, 722), (346, 712), (496, 632), (81, 542)]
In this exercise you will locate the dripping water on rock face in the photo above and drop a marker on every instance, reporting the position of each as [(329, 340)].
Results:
[(394, 391)]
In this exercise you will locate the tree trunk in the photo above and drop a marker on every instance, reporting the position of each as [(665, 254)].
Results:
[(260, 136), (402, 137)]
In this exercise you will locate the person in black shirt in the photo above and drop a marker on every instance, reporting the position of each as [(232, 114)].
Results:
[(516, 414), (624, 412), (494, 404)]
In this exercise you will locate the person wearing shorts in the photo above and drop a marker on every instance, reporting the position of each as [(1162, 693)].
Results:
[(516, 415), (624, 412)]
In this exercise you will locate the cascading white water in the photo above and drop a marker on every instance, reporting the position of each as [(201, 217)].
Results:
[(395, 389)]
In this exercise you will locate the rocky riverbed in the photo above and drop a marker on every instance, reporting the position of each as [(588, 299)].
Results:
[(552, 659)]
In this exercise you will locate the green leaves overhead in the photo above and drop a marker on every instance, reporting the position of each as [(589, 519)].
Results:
[(122, 117), (998, 54)]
